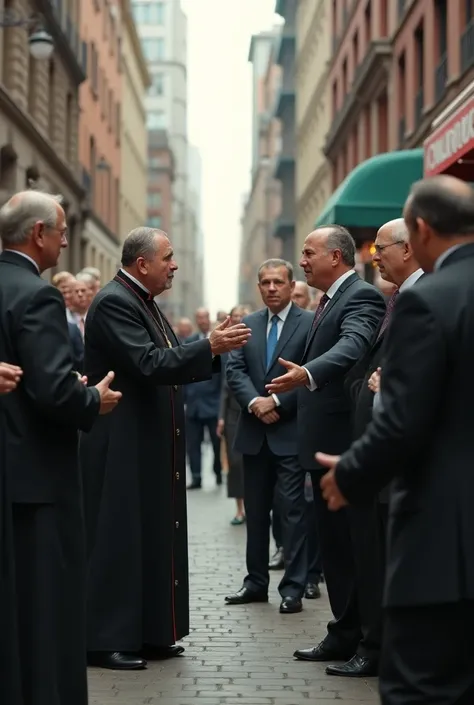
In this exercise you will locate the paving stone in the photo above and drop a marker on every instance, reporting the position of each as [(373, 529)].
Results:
[(238, 655)]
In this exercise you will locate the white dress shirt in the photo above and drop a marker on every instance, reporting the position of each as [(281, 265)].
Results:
[(127, 274), (329, 293), (282, 316)]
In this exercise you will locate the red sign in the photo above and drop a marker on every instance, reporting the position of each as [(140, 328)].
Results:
[(450, 141)]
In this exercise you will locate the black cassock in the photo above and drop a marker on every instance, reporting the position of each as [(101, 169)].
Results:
[(134, 472)]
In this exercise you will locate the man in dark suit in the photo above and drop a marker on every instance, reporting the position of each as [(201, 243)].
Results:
[(397, 265), (202, 401), (423, 432), (134, 469), (343, 327), (266, 436), (43, 523)]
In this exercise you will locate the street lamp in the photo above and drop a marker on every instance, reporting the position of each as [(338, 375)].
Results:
[(41, 43)]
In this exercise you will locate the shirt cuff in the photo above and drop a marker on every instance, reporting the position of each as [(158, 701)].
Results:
[(312, 386), (276, 400), (249, 406)]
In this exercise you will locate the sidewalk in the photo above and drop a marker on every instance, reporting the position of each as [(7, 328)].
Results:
[(234, 656)]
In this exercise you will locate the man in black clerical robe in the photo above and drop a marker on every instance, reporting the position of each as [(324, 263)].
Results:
[(134, 466), (42, 556)]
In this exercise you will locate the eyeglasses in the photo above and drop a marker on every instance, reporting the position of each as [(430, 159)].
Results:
[(380, 248)]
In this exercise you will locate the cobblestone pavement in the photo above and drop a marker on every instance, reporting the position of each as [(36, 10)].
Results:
[(239, 655)]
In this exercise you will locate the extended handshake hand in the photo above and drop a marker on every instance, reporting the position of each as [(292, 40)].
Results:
[(10, 375), (225, 337), (108, 398)]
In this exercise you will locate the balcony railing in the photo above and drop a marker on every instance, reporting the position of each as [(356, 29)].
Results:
[(401, 132), (467, 47), (419, 105), (441, 76)]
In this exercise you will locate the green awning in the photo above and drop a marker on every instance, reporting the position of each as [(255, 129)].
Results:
[(375, 191)]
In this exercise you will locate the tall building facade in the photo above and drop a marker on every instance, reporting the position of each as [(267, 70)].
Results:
[(313, 175), (39, 113), (134, 138), (195, 214), (100, 133), (263, 204), (162, 28), (284, 228)]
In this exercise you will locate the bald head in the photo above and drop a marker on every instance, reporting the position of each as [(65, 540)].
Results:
[(396, 229), (184, 328), (393, 253), (301, 295), (328, 252)]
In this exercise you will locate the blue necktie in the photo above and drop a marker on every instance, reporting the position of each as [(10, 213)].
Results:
[(272, 339)]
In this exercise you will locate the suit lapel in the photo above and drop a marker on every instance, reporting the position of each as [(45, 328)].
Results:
[(345, 284), (289, 327)]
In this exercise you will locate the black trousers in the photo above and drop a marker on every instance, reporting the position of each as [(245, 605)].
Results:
[(428, 655), (368, 534), (277, 531), (315, 567), (263, 474), (344, 631), (194, 437), (49, 554)]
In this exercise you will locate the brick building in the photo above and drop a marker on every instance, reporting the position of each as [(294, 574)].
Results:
[(39, 112), (100, 133)]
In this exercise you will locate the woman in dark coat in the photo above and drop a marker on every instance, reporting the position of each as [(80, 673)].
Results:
[(226, 428)]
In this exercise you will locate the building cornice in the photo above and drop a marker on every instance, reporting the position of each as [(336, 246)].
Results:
[(370, 78), (135, 42), (317, 95), (317, 19), (321, 173), (24, 123)]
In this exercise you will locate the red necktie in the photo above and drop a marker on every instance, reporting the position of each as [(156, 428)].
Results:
[(319, 311), (388, 313)]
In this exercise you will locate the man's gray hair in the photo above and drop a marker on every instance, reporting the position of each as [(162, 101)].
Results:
[(274, 264), (339, 238), (398, 230), (85, 277), (140, 242), (23, 211), (93, 272)]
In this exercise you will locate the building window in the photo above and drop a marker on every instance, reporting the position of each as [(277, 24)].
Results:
[(156, 120), (368, 23), (154, 48), (149, 13), (155, 162), (157, 84), (442, 23), (51, 101), (154, 200), (355, 50), (69, 127), (94, 70), (154, 222)]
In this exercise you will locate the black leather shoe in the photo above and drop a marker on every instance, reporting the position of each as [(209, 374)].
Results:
[(195, 485), (356, 667), (218, 480), (290, 605), (277, 561), (160, 653), (116, 660), (312, 591), (244, 596), (321, 652)]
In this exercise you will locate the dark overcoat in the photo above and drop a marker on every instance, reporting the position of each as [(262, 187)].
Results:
[(134, 472)]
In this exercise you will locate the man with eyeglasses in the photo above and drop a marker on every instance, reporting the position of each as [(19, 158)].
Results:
[(397, 265)]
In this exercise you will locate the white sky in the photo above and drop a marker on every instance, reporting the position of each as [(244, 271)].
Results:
[(219, 105)]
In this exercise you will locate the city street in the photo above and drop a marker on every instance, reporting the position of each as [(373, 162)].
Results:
[(240, 655)]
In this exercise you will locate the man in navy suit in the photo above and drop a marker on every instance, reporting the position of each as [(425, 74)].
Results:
[(267, 438), (202, 401)]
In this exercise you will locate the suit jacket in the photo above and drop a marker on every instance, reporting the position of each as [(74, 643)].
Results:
[(247, 376), (228, 402), (77, 345), (43, 415), (203, 398), (424, 435), (342, 336), (362, 398)]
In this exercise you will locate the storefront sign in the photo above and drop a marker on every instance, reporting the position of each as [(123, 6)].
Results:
[(450, 141)]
